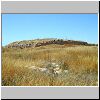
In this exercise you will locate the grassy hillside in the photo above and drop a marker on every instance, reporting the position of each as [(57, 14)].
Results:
[(80, 61)]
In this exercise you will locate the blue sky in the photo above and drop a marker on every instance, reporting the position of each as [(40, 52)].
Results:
[(17, 27)]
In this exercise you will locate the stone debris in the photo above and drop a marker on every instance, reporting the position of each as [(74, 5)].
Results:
[(57, 65), (53, 69), (65, 71), (58, 71), (33, 67), (43, 69), (53, 64)]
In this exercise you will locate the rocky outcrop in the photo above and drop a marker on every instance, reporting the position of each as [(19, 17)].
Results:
[(38, 43)]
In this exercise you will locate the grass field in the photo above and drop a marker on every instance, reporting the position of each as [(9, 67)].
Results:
[(80, 61)]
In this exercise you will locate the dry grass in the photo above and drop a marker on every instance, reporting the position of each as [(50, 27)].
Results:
[(81, 62)]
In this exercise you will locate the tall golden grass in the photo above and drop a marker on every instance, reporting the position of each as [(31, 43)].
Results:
[(81, 63)]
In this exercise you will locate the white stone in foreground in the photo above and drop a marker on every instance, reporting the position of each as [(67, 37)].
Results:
[(58, 72), (56, 69), (57, 65), (53, 64), (43, 69), (65, 71), (33, 67)]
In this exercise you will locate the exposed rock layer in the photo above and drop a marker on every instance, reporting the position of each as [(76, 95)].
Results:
[(44, 42)]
